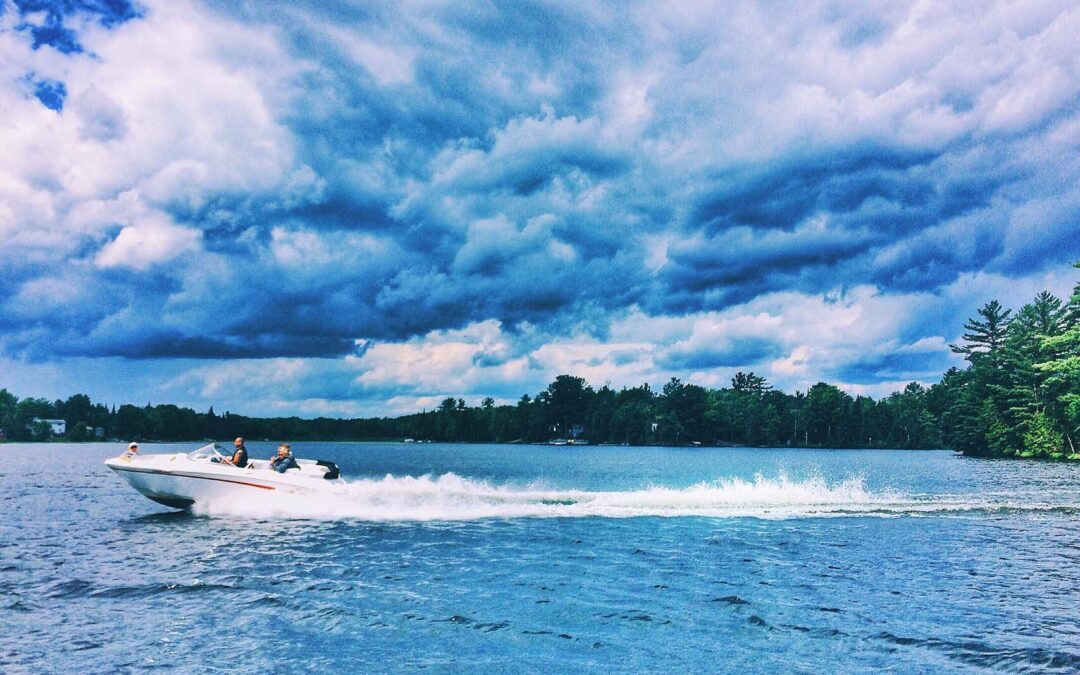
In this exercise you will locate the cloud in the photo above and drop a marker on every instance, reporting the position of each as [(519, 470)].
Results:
[(386, 64), (102, 118), (716, 342), (147, 243), (497, 195)]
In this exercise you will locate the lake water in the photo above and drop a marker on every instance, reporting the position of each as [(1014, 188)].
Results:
[(476, 558)]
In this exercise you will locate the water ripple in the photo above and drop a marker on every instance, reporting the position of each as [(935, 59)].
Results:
[(984, 655)]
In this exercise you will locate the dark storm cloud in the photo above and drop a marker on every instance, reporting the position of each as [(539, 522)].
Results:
[(837, 181), (743, 256), (909, 221), (156, 344)]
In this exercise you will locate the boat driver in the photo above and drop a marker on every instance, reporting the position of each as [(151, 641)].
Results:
[(240, 455), (284, 459)]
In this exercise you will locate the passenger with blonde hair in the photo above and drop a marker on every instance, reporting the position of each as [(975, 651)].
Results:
[(283, 461)]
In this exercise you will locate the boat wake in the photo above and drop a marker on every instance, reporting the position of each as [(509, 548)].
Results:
[(450, 497)]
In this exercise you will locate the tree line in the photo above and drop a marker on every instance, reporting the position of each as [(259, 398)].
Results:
[(87, 421), (1018, 396), (748, 413)]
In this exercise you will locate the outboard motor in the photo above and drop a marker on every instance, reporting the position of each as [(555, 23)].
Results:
[(332, 470)]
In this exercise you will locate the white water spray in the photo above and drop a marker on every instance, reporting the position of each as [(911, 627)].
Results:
[(453, 498)]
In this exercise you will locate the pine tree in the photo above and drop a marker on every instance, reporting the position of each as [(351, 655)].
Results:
[(981, 430), (1021, 390), (1061, 366)]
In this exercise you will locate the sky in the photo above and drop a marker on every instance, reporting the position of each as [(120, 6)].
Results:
[(359, 209)]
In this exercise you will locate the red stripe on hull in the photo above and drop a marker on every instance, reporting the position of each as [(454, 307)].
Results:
[(179, 474)]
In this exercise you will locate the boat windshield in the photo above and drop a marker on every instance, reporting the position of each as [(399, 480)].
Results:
[(206, 452)]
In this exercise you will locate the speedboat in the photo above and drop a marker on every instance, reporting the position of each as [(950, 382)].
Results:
[(182, 479)]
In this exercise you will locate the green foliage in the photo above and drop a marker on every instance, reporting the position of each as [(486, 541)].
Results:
[(1042, 439), (565, 402), (633, 417), (826, 407), (1020, 395), (909, 420), (985, 337), (749, 413), (8, 404), (1060, 366)]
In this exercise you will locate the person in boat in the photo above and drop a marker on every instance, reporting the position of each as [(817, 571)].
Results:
[(284, 460), (240, 454), (133, 448)]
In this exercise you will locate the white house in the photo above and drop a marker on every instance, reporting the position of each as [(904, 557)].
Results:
[(59, 427)]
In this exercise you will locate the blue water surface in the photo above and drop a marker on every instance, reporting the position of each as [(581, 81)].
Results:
[(472, 558)]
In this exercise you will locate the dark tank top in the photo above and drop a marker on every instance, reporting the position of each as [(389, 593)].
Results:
[(241, 461)]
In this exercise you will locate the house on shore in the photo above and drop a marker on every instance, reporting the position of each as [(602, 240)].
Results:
[(57, 427)]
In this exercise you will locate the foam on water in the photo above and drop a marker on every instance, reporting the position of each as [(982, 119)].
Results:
[(451, 497)]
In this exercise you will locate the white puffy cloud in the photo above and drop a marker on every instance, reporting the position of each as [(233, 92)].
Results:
[(448, 362), (924, 74), (147, 243), (173, 108)]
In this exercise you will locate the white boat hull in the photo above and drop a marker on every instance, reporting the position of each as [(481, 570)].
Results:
[(178, 481)]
